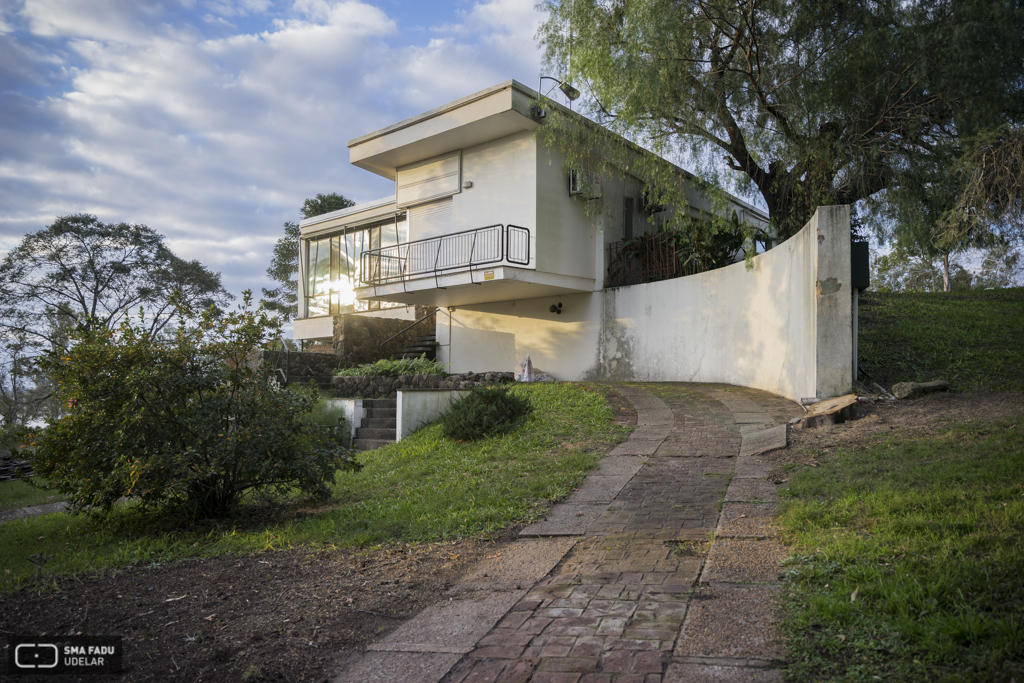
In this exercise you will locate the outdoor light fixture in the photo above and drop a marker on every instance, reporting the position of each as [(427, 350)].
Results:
[(570, 92)]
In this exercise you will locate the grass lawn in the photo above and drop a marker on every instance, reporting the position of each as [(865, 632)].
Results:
[(424, 488), (18, 494), (908, 560), (975, 340)]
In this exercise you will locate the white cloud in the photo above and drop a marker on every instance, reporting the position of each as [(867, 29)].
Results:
[(118, 20), (216, 140)]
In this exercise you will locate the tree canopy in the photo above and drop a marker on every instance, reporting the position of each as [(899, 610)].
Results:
[(284, 264), (991, 196), (186, 422), (807, 103), (79, 270)]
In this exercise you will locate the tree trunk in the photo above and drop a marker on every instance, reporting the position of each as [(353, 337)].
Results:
[(945, 272)]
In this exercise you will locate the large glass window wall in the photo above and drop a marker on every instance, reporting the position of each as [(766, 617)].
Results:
[(333, 267)]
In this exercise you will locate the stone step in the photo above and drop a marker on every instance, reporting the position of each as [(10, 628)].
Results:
[(380, 403), (369, 444), (382, 413), (376, 434), (379, 423)]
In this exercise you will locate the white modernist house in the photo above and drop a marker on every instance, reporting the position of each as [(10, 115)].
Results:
[(487, 225)]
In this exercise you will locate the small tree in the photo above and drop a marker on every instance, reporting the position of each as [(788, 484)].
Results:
[(189, 422)]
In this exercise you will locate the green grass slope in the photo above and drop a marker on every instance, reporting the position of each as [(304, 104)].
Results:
[(425, 488), (975, 340), (907, 560)]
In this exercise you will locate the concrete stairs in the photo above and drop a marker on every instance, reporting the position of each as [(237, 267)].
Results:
[(379, 424), (424, 345)]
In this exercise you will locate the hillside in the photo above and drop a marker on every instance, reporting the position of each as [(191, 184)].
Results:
[(975, 340)]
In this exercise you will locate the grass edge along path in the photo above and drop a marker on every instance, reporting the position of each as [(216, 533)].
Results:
[(907, 560), (18, 494), (424, 488)]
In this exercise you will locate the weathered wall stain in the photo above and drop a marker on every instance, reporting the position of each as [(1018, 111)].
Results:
[(615, 346), (829, 285)]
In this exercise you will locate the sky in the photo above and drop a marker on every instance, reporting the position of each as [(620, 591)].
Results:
[(211, 121)]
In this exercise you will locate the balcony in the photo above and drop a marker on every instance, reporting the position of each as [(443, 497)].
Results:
[(431, 257), (490, 264)]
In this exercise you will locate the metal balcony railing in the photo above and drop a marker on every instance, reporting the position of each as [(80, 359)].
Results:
[(468, 249), (651, 258)]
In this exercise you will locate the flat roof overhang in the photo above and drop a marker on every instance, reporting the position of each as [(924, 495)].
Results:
[(490, 114), (466, 287)]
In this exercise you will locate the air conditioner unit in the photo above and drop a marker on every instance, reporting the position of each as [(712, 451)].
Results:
[(647, 205), (584, 184)]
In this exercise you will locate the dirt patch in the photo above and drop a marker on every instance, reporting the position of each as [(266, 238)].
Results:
[(920, 418), (282, 616)]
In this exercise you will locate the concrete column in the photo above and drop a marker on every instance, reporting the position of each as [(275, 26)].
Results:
[(833, 315)]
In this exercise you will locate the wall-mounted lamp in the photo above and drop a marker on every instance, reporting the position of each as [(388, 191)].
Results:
[(556, 308), (570, 92)]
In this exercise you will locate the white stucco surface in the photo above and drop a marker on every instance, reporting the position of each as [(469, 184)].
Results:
[(567, 240), (784, 326), (418, 408), (354, 413), (313, 328), (504, 177)]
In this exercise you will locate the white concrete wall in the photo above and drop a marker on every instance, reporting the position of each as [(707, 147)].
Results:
[(497, 336), (503, 173), (418, 408), (568, 242), (784, 326), (354, 413), (321, 327)]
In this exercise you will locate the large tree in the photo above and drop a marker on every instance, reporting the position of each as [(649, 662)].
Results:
[(284, 265), (990, 195), (807, 103), (79, 271)]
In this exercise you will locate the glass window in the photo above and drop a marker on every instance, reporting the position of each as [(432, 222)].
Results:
[(335, 265), (319, 271)]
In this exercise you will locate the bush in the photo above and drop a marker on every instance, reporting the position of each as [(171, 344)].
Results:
[(484, 412), (187, 422), (394, 368)]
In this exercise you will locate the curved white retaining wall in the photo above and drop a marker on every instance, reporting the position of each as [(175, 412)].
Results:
[(784, 326)]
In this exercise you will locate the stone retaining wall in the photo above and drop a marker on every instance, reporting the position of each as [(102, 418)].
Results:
[(387, 387), (357, 338), (300, 363)]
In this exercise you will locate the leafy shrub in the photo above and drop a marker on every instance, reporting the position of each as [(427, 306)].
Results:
[(331, 418), (394, 368), (188, 422), (484, 412)]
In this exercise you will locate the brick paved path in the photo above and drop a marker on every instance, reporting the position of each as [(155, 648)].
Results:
[(614, 610)]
